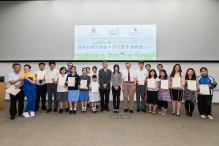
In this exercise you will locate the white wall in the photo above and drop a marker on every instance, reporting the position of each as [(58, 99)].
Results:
[(213, 68)]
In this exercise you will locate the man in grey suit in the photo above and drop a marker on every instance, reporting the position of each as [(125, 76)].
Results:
[(104, 79)]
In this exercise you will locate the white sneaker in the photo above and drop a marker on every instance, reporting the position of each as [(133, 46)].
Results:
[(32, 114), (26, 114), (210, 117), (203, 116)]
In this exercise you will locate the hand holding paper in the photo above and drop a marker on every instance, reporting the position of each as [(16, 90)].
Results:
[(48, 78), (83, 84), (150, 83), (40, 75), (71, 81), (176, 82), (204, 89), (12, 90), (191, 85), (164, 84), (94, 87)]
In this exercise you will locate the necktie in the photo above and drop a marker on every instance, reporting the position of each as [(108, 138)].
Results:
[(40, 81), (128, 76)]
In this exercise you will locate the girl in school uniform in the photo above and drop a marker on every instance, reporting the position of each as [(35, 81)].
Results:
[(84, 94), (164, 94), (94, 69), (177, 92), (152, 93), (29, 87), (189, 95), (73, 91), (62, 90), (94, 96)]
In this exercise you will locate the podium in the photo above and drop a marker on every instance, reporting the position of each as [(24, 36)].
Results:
[(2, 94)]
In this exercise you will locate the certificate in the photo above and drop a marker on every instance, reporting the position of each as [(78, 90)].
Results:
[(62, 80), (71, 81), (176, 82), (150, 83), (192, 85), (164, 84), (141, 80), (40, 75), (83, 84), (204, 89), (94, 87), (12, 90), (48, 78)]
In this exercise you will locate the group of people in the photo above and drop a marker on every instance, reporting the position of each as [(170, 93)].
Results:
[(129, 81)]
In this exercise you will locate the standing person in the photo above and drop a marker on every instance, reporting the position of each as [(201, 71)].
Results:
[(189, 95), (94, 96), (14, 79), (84, 94), (164, 94), (177, 92), (68, 71), (88, 71), (128, 87), (29, 87), (52, 88), (159, 68), (116, 80), (205, 101), (140, 89), (89, 74), (148, 67), (73, 91), (41, 89), (104, 79), (94, 69), (62, 91)]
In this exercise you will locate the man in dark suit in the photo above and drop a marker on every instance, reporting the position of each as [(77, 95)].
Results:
[(104, 79)]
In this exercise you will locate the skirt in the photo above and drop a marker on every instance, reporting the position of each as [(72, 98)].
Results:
[(176, 94), (152, 97), (73, 95), (94, 97), (62, 96), (84, 96)]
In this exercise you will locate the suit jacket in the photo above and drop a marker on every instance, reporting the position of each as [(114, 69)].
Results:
[(104, 78)]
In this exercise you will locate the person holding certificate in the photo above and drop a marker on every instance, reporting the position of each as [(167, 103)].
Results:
[(41, 87), (206, 84), (94, 69), (147, 68), (159, 68), (177, 78), (84, 87), (164, 92), (73, 90), (152, 93), (14, 79), (141, 87), (190, 92), (116, 80), (62, 90), (94, 93)]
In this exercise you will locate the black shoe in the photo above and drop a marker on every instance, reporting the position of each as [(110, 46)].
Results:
[(66, 110), (44, 108), (187, 114), (114, 111), (55, 110), (125, 110), (35, 110), (131, 111), (97, 106), (107, 109), (12, 117), (88, 104), (85, 110), (138, 110), (71, 112), (102, 110), (190, 115), (74, 111), (61, 110), (49, 110), (93, 111), (144, 110), (178, 115)]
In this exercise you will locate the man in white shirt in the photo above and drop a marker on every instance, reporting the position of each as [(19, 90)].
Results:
[(14, 79), (52, 88), (142, 74), (41, 88), (128, 87)]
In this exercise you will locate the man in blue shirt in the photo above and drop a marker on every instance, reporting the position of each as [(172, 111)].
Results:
[(68, 71)]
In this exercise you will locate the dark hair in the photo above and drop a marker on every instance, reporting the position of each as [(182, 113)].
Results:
[(41, 63), (94, 67), (141, 62), (84, 68), (173, 71), (193, 76), (155, 74), (52, 62), (203, 68), (73, 67), (160, 65), (27, 65), (164, 71), (105, 62), (147, 65), (116, 65), (127, 63), (88, 68), (94, 76), (69, 63), (16, 64), (62, 69)]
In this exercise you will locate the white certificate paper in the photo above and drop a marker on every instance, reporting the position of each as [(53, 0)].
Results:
[(62, 80), (71, 81), (94, 87), (192, 85), (12, 90), (48, 78), (140, 80), (40, 75), (176, 82), (164, 84), (204, 89), (83, 84), (150, 83)]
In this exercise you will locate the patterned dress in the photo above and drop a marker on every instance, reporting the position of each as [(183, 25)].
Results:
[(189, 95), (164, 95)]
